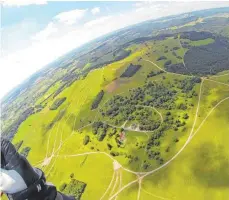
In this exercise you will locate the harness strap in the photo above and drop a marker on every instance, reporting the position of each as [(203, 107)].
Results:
[(29, 192), (33, 191)]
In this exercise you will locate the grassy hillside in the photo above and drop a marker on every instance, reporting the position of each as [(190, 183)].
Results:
[(150, 121)]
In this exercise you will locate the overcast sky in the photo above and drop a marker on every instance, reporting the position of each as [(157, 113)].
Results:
[(36, 32)]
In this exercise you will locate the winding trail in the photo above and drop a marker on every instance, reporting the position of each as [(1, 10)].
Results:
[(48, 160), (140, 175), (169, 161), (165, 70), (115, 184), (191, 135), (218, 82), (108, 188), (139, 188)]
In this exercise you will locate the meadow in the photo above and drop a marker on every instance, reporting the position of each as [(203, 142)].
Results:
[(186, 157)]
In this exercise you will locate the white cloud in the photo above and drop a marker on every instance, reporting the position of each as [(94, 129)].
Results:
[(48, 31), (97, 21), (95, 10), (71, 17), (23, 2)]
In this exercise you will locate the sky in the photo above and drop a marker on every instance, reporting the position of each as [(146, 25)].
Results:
[(36, 32)]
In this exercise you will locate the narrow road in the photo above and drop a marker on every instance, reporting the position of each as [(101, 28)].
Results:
[(141, 175), (169, 161), (165, 70)]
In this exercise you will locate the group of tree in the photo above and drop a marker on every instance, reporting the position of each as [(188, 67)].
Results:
[(121, 54), (195, 36), (57, 103), (73, 188), (100, 129), (57, 118), (161, 58), (97, 100), (153, 73), (187, 84), (130, 71)]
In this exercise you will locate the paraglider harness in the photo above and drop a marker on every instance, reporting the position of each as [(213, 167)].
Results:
[(38, 190)]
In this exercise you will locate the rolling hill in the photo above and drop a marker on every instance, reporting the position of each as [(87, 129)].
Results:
[(141, 113)]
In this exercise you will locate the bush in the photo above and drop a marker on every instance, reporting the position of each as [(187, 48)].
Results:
[(161, 58), (176, 140), (109, 146), (86, 140), (101, 136), (114, 153), (185, 116), (182, 106), (167, 63), (176, 48), (72, 175), (168, 113)]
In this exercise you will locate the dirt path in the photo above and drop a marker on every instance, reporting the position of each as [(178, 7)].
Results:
[(218, 82), (165, 70), (169, 161), (191, 135), (140, 175), (108, 188)]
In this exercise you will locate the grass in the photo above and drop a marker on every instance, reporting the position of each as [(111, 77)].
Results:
[(201, 42), (199, 172), (193, 23)]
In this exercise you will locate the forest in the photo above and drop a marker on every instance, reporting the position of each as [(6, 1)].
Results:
[(130, 71), (208, 59)]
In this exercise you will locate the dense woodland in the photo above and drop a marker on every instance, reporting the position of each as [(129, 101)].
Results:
[(194, 35), (130, 71), (202, 60), (208, 59)]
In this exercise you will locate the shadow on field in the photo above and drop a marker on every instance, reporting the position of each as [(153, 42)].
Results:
[(82, 118), (59, 116), (211, 166)]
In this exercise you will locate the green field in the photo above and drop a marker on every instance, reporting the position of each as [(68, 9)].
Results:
[(141, 126), (56, 139)]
